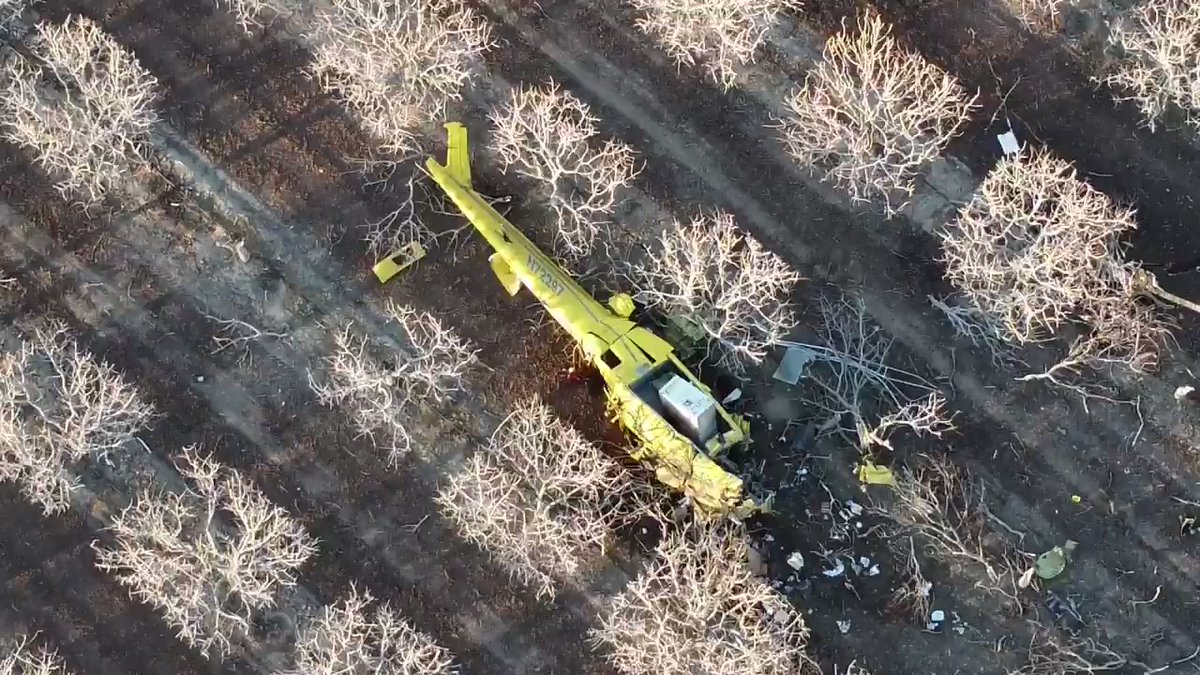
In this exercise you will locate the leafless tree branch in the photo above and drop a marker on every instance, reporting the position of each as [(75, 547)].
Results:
[(22, 657), (1160, 68), (724, 282), (540, 498), (353, 637), (58, 406), (550, 136), (82, 105), (872, 114), (382, 385), (943, 507), (697, 608), (208, 557), (719, 35), (1037, 249)]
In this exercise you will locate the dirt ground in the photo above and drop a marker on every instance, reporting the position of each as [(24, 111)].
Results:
[(267, 157)]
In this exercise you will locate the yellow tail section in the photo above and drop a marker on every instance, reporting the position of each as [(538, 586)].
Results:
[(458, 157)]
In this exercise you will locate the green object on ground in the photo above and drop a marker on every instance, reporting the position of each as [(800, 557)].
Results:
[(1052, 563)]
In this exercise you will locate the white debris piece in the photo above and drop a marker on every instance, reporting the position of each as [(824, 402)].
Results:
[(844, 626), (1009, 143), (796, 560), (1183, 392), (837, 571)]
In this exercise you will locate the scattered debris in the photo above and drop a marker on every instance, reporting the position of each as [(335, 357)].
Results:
[(794, 364), (732, 397), (796, 561), (1184, 392), (937, 621), (1052, 563), (844, 626)]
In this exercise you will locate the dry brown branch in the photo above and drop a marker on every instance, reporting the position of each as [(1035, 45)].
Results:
[(1039, 16), (540, 498), (58, 406), (383, 384), (913, 596), (697, 608), (1160, 67), (851, 383), (944, 508), (1051, 655), (353, 637), (1037, 248), (83, 106), (255, 14), (720, 35), (872, 113), (722, 281), (397, 65), (21, 657), (970, 322), (549, 135), (925, 417), (209, 557)]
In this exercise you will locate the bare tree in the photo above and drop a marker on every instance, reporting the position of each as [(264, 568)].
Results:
[(1037, 249), (913, 596), (1160, 66), (1039, 16), (944, 508), (539, 498), (850, 382), (1051, 655), (255, 14), (59, 406), (722, 281), (353, 637), (697, 608), (720, 35), (397, 65), (383, 384), (871, 114), (21, 657), (207, 557), (82, 105), (549, 135)]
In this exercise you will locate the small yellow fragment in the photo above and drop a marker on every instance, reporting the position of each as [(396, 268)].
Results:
[(398, 261), (1076, 499)]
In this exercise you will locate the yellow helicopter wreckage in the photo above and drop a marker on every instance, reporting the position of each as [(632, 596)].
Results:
[(680, 426)]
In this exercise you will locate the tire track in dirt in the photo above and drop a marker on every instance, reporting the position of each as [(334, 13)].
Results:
[(626, 100)]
